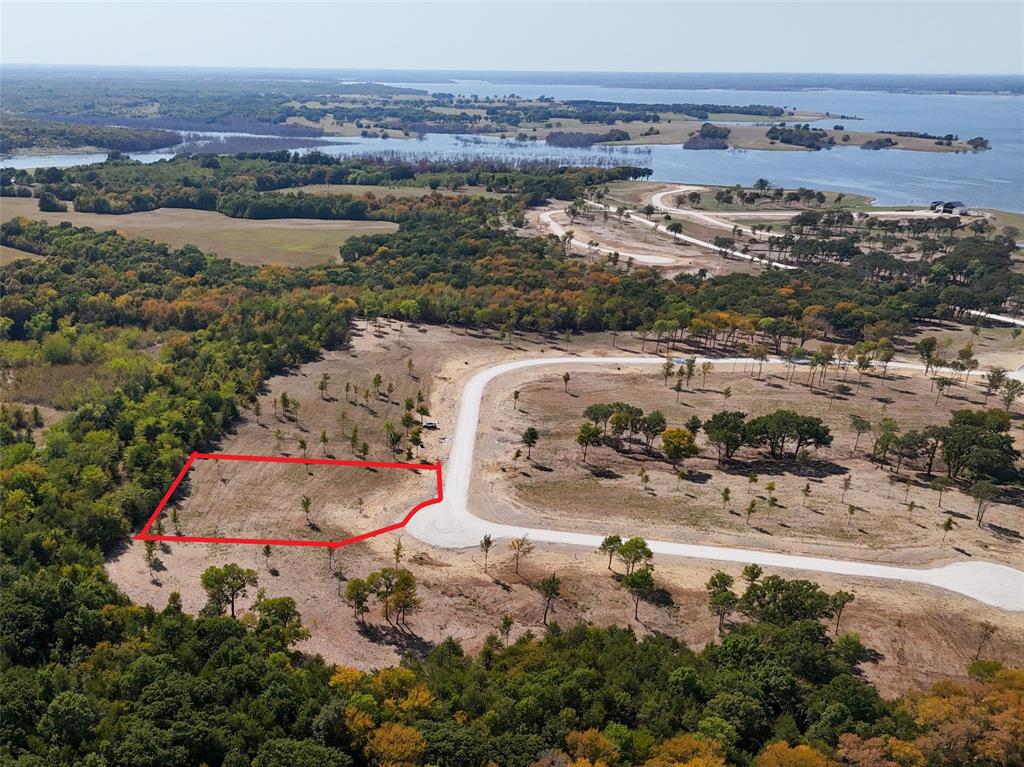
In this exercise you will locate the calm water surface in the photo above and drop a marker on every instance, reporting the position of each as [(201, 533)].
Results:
[(993, 179)]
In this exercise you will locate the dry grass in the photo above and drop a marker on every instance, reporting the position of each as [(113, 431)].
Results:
[(285, 241), (9, 255), (606, 493)]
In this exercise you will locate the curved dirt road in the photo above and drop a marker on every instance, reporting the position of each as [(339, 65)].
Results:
[(451, 524)]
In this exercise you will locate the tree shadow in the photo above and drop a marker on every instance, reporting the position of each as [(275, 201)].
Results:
[(698, 477), (1005, 532), (394, 636)]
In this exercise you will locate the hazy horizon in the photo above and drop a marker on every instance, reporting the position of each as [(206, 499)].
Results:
[(256, 68), (864, 37)]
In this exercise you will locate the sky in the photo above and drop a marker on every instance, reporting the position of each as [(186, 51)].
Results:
[(851, 36)]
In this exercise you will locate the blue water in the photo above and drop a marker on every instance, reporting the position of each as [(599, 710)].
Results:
[(994, 178)]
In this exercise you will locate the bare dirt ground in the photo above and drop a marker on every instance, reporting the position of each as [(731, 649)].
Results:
[(286, 241), (605, 494), (921, 634), (249, 499), (627, 236)]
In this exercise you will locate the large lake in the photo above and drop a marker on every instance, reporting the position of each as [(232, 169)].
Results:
[(993, 179)]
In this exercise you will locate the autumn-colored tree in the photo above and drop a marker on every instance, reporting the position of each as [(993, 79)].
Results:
[(784, 755), (878, 752), (687, 750), (521, 549), (396, 745), (593, 746)]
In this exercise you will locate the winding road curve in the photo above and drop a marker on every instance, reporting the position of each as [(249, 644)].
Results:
[(451, 523)]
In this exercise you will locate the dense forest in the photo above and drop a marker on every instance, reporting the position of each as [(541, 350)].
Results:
[(242, 185), (90, 679), (20, 133)]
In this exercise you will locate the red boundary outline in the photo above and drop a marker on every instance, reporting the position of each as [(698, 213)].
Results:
[(143, 534)]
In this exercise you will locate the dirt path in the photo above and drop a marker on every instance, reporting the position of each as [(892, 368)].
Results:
[(452, 524)]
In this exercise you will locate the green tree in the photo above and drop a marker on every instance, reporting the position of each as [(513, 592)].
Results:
[(610, 546), (994, 381), (640, 584), (839, 602), (983, 493), (69, 719), (946, 526), (550, 587), (149, 554), (726, 431), (589, 435), (530, 436), (357, 596), (392, 436), (224, 585), (1012, 390), (722, 600), (634, 552)]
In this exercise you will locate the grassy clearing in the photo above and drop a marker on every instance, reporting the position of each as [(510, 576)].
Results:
[(288, 241), (7, 254)]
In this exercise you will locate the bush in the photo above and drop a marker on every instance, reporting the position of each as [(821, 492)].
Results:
[(48, 203)]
